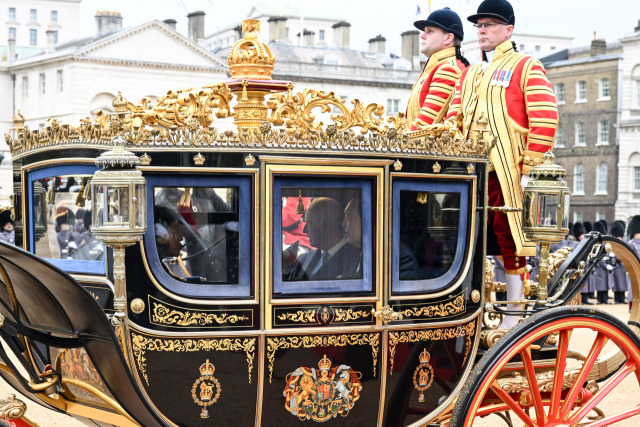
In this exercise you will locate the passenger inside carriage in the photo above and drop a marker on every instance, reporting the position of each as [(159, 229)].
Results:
[(333, 257), (196, 232)]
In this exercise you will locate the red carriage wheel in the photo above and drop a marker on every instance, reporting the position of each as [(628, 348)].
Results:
[(555, 386)]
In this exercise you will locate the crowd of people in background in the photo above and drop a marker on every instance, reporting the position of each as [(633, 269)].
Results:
[(610, 277)]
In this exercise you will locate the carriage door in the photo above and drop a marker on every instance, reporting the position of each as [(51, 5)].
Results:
[(323, 277), (433, 273)]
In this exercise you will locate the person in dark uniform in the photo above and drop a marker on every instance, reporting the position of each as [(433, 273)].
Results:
[(600, 280), (618, 271), (579, 232), (7, 233)]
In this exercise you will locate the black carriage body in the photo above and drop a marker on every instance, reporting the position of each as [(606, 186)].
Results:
[(259, 336)]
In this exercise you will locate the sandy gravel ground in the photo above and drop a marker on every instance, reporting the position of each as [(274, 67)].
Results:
[(45, 418)]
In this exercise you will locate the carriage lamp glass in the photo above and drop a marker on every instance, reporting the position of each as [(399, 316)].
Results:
[(546, 213), (118, 194), (546, 202)]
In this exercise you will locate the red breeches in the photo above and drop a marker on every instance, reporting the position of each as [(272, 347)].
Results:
[(498, 223)]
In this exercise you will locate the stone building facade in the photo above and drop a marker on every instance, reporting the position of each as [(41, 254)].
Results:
[(628, 203), (586, 83)]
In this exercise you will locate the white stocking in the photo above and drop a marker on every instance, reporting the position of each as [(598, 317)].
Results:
[(514, 293)]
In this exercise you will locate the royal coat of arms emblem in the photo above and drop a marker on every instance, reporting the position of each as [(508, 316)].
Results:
[(324, 393), (206, 389), (423, 375)]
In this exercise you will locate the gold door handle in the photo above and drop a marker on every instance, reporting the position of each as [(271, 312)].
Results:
[(386, 314)]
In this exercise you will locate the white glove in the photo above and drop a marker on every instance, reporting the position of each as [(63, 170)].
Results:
[(524, 181), (609, 267)]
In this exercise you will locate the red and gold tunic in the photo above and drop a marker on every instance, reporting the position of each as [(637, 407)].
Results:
[(432, 92), (515, 97)]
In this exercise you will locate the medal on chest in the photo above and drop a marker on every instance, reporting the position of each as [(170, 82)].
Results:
[(501, 78)]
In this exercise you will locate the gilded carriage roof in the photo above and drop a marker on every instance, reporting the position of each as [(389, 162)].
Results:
[(266, 114)]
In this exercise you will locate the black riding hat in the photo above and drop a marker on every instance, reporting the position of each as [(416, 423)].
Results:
[(445, 19), (498, 9)]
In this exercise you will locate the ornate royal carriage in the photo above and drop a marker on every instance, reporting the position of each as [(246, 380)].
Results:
[(184, 285)]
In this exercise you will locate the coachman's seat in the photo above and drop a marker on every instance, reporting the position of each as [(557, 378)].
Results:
[(54, 311)]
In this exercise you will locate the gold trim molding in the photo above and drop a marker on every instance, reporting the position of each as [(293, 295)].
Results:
[(167, 315), (277, 343), (141, 344), (464, 331), (444, 309)]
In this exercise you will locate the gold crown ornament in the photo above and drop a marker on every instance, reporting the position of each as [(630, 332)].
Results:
[(207, 369), (250, 58), (18, 120), (425, 356), (324, 363)]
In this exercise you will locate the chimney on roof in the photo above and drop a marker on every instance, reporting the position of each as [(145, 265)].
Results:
[(108, 21), (637, 29), (196, 25), (377, 44), (171, 22), (309, 38), (12, 48), (277, 28), (598, 47), (342, 34), (51, 40), (410, 46)]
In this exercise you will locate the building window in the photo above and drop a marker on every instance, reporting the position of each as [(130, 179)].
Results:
[(581, 138), (33, 37), (603, 132), (60, 81), (577, 217), (321, 34), (537, 48), (636, 178), (559, 89), (286, 33), (604, 90), (553, 48), (393, 106), (25, 87), (55, 37), (600, 216), (581, 91), (559, 137), (12, 33), (637, 93), (43, 87), (521, 47), (54, 16), (33, 14), (578, 179), (12, 13), (601, 179)]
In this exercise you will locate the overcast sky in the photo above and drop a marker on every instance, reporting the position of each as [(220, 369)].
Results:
[(612, 19)]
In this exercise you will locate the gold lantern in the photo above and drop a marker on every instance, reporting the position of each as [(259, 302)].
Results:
[(118, 198), (546, 212)]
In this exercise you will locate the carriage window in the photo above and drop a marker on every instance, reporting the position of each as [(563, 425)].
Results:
[(199, 236), (325, 239), (429, 234), (61, 223)]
